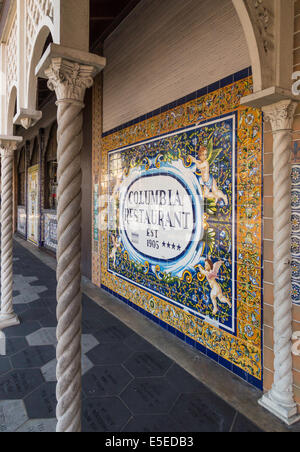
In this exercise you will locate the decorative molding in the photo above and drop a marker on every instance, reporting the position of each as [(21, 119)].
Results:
[(11, 77), (69, 80), (8, 145), (7, 152), (264, 19), (36, 11), (27, 118), (280, 115)]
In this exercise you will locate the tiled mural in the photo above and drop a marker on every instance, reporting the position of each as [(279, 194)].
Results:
[(181, 198), (22, 220), (50, 230)]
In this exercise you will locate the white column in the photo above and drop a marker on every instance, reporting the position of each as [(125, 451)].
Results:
[(7, 315), (69, 80), (280, 400)]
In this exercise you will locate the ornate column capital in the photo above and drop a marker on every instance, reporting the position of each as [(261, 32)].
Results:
[(69, 79), (8, 145), (280, 115)]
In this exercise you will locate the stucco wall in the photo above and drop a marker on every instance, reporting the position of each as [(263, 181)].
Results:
[(167, 49)]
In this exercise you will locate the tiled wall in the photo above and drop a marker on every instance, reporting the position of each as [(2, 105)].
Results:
[(295, 207), (240, 349), (165, 50)]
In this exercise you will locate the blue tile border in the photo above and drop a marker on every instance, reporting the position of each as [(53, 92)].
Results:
[(240, 75), (295, 236), (191, 342)]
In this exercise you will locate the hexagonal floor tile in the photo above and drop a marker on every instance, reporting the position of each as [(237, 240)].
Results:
[(44, 336), (38, 426), (15, 345), (113, 333), (12, 415), (203, 412), (106, 414), (152, 423), (148, 364), (20, 308), (183, 381), (22, 330), (17, 384), (109, 354), (41, 404), (33, 357), (149, 396), (105, 381), (138, 344), (34, 314), (5, 365), (88, 342), (49, 321)]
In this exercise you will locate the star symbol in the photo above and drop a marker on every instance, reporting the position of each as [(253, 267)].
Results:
[(174, 246), (179, 247), (164, 244), (169, 245)]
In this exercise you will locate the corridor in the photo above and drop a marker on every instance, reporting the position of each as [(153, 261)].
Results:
[(128, 385)]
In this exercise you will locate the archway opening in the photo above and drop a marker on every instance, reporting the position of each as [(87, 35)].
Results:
[(37, 90)]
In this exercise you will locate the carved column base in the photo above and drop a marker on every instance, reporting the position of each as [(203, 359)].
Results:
[(288, 414), (7, 320)]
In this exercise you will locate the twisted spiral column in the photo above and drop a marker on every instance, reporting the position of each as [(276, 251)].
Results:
[(7, 316), (69, 80), (280, 399)]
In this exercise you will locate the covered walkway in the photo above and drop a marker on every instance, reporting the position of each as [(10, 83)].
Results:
[(128, 385)]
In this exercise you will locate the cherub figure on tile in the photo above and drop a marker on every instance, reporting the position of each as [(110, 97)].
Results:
[(206, 180), (211, 273)]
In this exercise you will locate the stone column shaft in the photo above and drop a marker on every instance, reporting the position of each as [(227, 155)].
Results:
[(7, 316), (69, 80), (280, 400)]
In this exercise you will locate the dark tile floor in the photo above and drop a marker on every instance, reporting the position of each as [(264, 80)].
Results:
[(128, 385)]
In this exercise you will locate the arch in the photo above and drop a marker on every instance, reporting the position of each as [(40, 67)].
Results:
[(46, 29), (11, 109), (252, 42)]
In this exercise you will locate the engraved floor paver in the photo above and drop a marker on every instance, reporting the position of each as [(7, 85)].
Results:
[(38, 426), (12, 415), (128, 385), (44, 336)]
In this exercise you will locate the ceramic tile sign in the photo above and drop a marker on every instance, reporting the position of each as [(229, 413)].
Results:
[(22, 220), (33, 204), (50, 231), (296, 234), (171, 218)]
